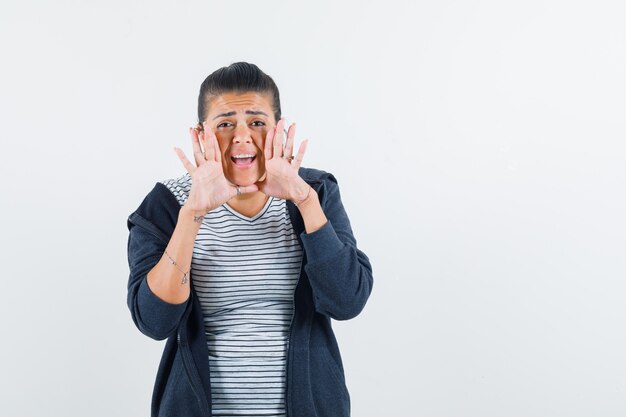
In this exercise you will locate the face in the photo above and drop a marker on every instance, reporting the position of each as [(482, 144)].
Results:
[(240, 122)]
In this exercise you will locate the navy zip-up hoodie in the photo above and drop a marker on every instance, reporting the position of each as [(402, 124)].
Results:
[(335, 282)]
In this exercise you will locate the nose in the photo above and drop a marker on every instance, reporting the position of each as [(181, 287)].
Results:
[(242, 134)]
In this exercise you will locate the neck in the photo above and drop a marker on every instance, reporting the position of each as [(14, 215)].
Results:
[(248, 204)]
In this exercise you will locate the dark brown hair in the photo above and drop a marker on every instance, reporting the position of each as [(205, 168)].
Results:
[(240, 77)]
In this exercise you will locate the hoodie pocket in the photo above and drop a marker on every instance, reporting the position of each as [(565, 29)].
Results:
[(328, 386), (178, 399)]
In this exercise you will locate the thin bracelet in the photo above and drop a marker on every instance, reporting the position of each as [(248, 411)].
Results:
[(184, 281), (305, 198)]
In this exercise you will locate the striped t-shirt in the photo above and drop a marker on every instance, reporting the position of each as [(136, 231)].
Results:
[(245, 270)]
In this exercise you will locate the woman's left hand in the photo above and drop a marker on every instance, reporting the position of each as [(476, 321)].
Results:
[(281, 167)]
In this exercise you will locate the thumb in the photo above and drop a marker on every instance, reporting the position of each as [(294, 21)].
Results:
[(248, 188)]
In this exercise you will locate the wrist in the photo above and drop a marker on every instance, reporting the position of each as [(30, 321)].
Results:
[(309, 197), (299, 191), (189, 215), (312, 212), (302, 195)]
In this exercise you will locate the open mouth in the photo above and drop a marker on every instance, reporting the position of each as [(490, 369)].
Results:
[(243, 159)]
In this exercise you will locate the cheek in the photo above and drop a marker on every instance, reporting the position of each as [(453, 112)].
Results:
[(260, 139), (222, 143)]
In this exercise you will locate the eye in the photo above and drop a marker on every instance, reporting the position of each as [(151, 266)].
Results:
[(258, 123), (224, 124)]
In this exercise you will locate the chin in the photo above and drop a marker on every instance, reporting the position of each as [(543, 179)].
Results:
[(245, 180)]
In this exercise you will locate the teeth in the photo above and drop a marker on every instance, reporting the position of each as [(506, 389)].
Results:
[(244, 155)]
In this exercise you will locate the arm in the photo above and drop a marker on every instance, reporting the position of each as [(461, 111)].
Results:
[(166, 280), (153, 317), (157, 291), (156, 297), (340, 274)]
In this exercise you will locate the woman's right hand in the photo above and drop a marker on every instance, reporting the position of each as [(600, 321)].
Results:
[(209, 187)]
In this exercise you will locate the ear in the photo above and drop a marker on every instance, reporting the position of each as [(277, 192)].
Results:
[(199, 130)]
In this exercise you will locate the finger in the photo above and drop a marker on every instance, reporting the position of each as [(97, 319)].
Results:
[(216, 147), (209, 149), (278, 139), (268, 144), (198, 155), (301, 150), (243, 189), (289, 145), (186, 163)]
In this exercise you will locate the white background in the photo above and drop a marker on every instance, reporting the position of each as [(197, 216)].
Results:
[(479, 147)]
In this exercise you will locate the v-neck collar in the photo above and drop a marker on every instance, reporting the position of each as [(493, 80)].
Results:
[(253, 218)]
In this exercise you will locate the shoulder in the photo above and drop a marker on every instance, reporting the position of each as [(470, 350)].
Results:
[(179, 187), (161, 205), (316, 175)]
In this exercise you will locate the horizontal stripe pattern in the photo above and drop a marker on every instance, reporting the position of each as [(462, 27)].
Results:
[(244, 271)]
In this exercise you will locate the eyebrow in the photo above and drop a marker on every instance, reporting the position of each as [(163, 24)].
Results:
[(232, 113)]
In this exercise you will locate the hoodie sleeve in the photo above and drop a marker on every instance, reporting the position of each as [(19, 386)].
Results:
[(147, 241), (154, 317), (339, 273)]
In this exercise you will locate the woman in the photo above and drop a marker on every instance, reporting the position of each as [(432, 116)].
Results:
[(241, 263)]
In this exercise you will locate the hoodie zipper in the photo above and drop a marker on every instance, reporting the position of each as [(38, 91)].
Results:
[(188, 362), (192, 371), (288, 364), (289, 343)]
